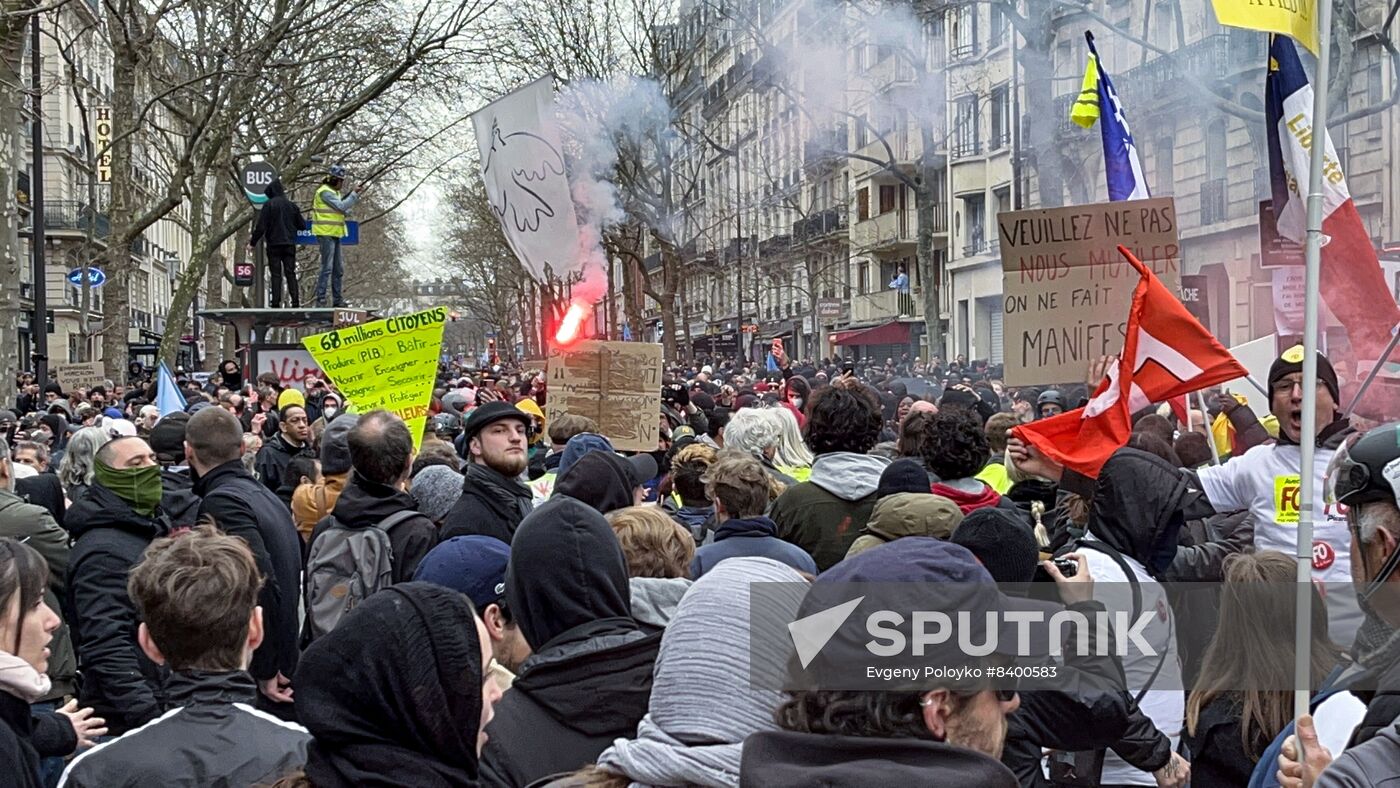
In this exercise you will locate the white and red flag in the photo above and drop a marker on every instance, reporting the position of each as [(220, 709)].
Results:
[(1171, 354)]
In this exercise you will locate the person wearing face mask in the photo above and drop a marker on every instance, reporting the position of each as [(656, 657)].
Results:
[(112, 526), (231, 375)]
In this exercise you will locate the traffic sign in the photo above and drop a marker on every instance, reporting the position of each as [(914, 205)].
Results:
[(256, 177), (352, 235), (96, 278)]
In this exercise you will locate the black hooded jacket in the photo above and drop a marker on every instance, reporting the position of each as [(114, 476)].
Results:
[(599, 479), (365, 503), (392, 696), (1138, 507), (119, 681), (784, 759), (244, 508), (177, 499), (279, 220), (589, 679)]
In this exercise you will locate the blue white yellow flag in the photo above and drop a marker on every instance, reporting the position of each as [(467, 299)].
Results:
[(168, 397), (1121, 164)]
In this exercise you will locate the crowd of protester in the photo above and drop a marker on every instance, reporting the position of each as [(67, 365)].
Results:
[(267, 588)]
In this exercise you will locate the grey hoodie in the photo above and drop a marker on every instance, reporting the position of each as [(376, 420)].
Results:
[(847, 475), (654, 600)]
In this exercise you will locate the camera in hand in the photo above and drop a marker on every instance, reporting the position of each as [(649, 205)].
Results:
[(1067, 566)]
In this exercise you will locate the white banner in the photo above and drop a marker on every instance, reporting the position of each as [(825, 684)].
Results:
[(522, 164)]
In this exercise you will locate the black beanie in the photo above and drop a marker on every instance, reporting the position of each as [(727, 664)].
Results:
[(903, 476), (168, 438), (1291, 361), (1004, 544)]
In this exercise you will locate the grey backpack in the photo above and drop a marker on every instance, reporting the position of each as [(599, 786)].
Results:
[(345, 566)]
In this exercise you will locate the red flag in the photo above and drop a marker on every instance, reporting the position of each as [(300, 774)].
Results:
[(1173, 355)]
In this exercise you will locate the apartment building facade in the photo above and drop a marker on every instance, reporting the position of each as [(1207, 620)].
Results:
[(782, 163), (76, 75)]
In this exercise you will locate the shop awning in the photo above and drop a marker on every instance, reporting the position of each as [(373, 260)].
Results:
[(891, 333)]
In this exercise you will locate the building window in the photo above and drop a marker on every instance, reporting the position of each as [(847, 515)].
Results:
[(1215, 149), (965, 131), (964, 33), (1001, 118), (1165, 165), (975, 206), (996, 35), (862, 204), (862, 276), (887, 198)]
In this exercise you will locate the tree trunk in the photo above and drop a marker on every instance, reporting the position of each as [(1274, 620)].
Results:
[(928, 203), (12, 32), (189, 282), (1042, 119), (116, 306)]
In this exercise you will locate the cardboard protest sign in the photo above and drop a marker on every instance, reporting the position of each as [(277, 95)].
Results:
[(390, 364), (1066, 289), (83, 375), (616, 384)]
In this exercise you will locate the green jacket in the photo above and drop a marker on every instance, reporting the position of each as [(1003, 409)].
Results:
[(824, 515), (34, 526)]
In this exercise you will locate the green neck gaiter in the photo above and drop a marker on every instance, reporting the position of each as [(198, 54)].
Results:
[(139, 487)]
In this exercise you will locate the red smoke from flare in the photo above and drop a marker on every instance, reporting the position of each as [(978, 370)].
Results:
[(572, 323)]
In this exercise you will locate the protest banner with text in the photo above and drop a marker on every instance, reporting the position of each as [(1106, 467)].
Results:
[(1066, 289), (616, 384), (80, 375), (389, 364)]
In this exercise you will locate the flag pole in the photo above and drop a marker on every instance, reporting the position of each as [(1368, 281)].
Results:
[(1302, 655), (1210, 433), (1365, 384)]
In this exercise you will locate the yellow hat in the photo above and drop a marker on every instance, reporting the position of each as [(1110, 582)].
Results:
[(290, 397), (530, 407)]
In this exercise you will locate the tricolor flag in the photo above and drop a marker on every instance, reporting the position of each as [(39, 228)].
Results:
[(1172, 354), (1120, 157), (1353, 284)]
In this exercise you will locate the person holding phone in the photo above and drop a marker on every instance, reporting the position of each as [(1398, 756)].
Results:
[(328, 212)]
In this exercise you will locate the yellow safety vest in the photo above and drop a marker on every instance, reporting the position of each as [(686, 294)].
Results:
[(325, 219)]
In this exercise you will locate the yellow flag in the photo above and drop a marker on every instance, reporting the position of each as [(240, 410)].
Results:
[(1294, 18), (390, 364), (1086, 108)]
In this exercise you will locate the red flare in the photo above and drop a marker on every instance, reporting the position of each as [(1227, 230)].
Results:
[(572, 323)]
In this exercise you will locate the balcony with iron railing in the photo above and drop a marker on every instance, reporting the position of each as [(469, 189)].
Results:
[(977, 245), (894, 70), (76, 217), (820, 225), (887, 231), (1215, 58), (885, 305), (966, 146)]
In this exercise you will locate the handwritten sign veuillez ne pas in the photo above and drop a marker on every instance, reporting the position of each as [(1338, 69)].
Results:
[(1066, 289)]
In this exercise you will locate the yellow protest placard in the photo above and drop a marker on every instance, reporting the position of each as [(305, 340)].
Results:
[(390, 364), (1294, 18)]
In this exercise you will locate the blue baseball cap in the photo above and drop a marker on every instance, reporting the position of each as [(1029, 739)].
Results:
[(579, 445), (470, 565)]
